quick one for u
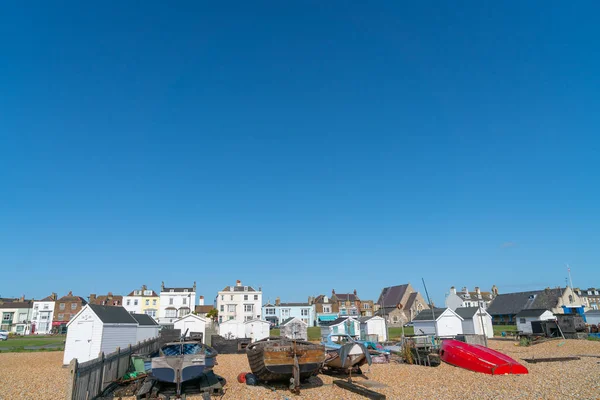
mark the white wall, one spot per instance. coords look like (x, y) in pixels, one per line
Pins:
(118, 335)
(179, 300)
(232, 329)
(44, 308)
(257, 329)
(132, 307)
(145, 332)
(472, 326)
(194, 323)
(84, 337)
(449, 325)
(424, 327)
(593, 319)
(525, 326)
(375, 326)
(237, 300)
(453, 301)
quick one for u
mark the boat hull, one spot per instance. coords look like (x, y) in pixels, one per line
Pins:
(181, 362)
(479, 359)
(274, 359)
(348, 356)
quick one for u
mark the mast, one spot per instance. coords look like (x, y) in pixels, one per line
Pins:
(430, 306)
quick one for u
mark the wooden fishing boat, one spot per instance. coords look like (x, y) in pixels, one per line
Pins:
(179, 362)
(344, 352)
(279, 359)
(479, 358)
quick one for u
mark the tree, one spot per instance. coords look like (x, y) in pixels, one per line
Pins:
(213, 314)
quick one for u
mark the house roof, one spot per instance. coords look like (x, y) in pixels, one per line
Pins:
(71, 298)
(107, 300)
(294, 305)
(320, 299)
(365, 319)
(346, 296)
(178, 290)
(112, 315)
(531, 313)
(427, 315)
(391, 296)
(47, 298)
(191, 316)
(512, 303)
(132, 293)
(18, 304)
(144, 320)
(473, 295)
(336, 321)
(238, 289)
(257, 320)
(203, 309)
(594, 312)
(466, 312)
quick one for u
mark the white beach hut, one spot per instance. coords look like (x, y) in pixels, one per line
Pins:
(232, 329)
(371, 326)
(257, 329)
(442, 322)
(192, 324)
(475, 321)
(525, 317)
(294, 328)
(148, 328)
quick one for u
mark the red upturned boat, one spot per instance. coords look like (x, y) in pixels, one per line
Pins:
(479, 359)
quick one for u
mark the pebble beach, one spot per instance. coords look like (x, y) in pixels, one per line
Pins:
(41, 376)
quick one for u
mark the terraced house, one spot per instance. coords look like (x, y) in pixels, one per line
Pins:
(142, 301)
(348, 303)
(43, 311)
(17, 316)
(279, 312)
(590, 297)
(66, 308)
(175, 302)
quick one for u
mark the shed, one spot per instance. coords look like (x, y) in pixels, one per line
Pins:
(192, 324)
(343, 325)
(447, 323)
(294, 328)
(525, 317)
(371, 326)
(475, 321)
(232, 329)
(95, 329)
(592, 317)
(148, 328)
(257, 329)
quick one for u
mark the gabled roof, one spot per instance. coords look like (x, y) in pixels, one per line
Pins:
(294, 305)
(337, 321)
(144, 320)
(71, 298)
(191, 316)
(346, 296)
(531, 313)
(132, 293)
(320, 299)
(467, 312)
(47, 298)
(108, 300)
(288, 320)
(262, 321)
(177, 290)
(594, 312)
(365, 319)
(18, 304)
(391, 296)
(427, 315)
(112, 315)
(512, 303)
(203, 309)
(238, 289)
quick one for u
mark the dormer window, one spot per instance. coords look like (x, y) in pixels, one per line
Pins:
(245, 288)
(531, 296)
(589, 292)
(172, 290)
(596, 292)
(185, 290)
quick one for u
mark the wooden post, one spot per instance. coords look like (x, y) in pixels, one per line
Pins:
(101, 380)
(73, 376)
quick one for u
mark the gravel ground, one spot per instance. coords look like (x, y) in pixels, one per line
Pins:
(40, 376)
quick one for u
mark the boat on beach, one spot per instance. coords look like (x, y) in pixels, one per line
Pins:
(343, 352)
(479, 358)
(178, 362)
(283, 359)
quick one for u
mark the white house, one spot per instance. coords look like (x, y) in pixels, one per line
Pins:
(374, 325)
(592, 317)
(232, 329)
(175, 303)
(475, 321)
(278, 312)
(465, 298)
(192, 324)
(240, 303)
(43, 311)
(294, 328)
(16, 316)
(95, 329)
(525, 317)
(148, 328)
(442, 322)
(343, 325)
(257, 329)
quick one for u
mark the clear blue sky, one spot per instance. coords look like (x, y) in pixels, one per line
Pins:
(298, 147)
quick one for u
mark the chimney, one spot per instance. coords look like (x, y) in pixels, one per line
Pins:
(201, 301)
(162, 286)
(355, 292)
(109, 294)
(70, 293)
(477, 291)
(332, 292)
(194, 287)
(54, 296)
(144, 287)
(452, 290)
(277, 301)
(238, 283)
(92, 297)
(494, 291)
(310, 300)
(22, 298)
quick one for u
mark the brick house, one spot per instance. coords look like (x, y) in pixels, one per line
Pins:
(367, 308)
(400, 304)
(66, 308)
(348, 303)
(326, 309)
(108, 300)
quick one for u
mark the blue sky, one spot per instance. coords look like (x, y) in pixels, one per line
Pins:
(299, 147)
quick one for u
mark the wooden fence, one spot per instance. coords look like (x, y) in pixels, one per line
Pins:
(89, 379)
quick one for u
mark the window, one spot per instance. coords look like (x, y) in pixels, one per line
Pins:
(22, 317)
(135, 302)
(170, 300)
(222, 297)
(596, 292)
(184, 300)
(147, 302)
(304, 312)
(248, 318)
(366, 306)
(171, 290)
(170, 313)
(521, 320)
(61, 317)
(147, 292)
(185, 290)
(230, 307)
(222, 308)
(231, 297)
(248, 307)
(570, 298)
(73, 306)
(151, 313)
(46, 307)
(7, 317)
(154, 302)
(61, 306)
(285, 312)
(230, 317)
(220, 318)
(245, 297)
(128, 302)
(269, 311)
(255, 297)
(326, 309)
(589, 292)
(36, 307)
